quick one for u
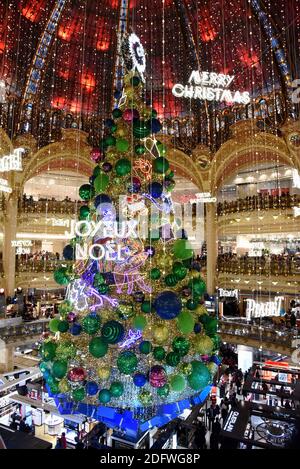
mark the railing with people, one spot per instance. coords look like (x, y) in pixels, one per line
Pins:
(29, 329)
(66, 207)
(209, 126)
(259, 202)
(37, 264)
(264, 265)
(266, 333)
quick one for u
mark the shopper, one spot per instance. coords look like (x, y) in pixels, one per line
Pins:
(211, 416)
(63, 441)
(216, 427)
(200, 434)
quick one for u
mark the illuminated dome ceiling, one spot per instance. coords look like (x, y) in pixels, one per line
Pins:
(63, 53)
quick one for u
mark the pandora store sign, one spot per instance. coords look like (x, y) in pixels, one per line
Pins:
(259, 310)
(211, 87)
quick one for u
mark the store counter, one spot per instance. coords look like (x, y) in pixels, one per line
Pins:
(54, 424)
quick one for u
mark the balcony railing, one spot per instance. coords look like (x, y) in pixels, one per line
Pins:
(64, 207)
(39, 265)
(259, 202)
(30, 329)
(267, 334)
(265, 265)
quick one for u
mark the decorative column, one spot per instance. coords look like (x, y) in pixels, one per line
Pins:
(9, 252)
(6, 357)
(211, 247)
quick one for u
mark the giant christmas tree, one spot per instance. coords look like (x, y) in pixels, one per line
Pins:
(133, 333)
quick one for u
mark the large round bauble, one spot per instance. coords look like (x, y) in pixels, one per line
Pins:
(84, 212)
(177, 383)
(116, 389)
(63, 326)
(113, 332)
(96, 155)
(61, 276)
(140, 150)
(173, 359)
(161, 165)
(192, 304)
(145, 398)
(48, 351)
(43, 366)
(104, 396)
(167, 305)
(64, 386)
(201, 310)
(53, 325)
(147, 307)
(117, 113)
(139, 380)
(98, 347)
(54, 388)
(163, 391)
(134, 185)
(185, 322)
(212, 368)
(68, 253)
(110, 141)
(125, 311)
(141, 129)
(86, 192)
(179, 270)
(127, 362)
(203, 344)
(155, 126)
(77, 374)
(215, 359)
(155, 189)
(157, 376)
(182, 249)
(145, 347)
(211, 326)
(123, 167)
(59, 369)
(138, 296)
(107, 167)
(71, 317)
(160, 334)
(198, 286)
(102, 199)
(155, 274)
(104, 372)
(197, 328)
(200, 376)
(76, 329)
(185, 368)
(162, 149)
(91, 388)
(122, 146)
(171, 280)
(181, 346)
(129, 115)
(91, 324)
(159, 353)
(140, 322)
(97, 171)
(216, 341)
(101, 182)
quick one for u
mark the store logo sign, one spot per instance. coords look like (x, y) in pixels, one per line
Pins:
(22, 247)
(259, 310)
(204, 198)
(211, 87)
(4, 186)
(228, 293)
(230, 422)
(296, 212)
(12, 162)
